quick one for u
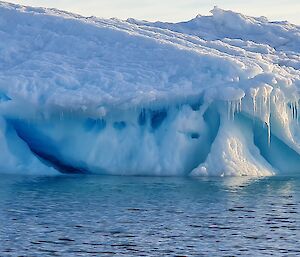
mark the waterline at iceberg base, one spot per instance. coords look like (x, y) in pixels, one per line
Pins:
(217, 95)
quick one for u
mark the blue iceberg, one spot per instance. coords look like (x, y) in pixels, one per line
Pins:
(214, 96)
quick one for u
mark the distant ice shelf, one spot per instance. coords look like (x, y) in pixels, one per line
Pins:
(214, 96)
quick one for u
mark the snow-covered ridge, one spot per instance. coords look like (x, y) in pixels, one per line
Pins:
(217, 95)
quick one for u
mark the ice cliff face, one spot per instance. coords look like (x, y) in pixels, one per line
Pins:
(217, 95)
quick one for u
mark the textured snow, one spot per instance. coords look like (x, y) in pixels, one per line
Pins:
(216, 95)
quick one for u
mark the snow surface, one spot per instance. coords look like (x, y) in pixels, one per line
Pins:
(217, 95)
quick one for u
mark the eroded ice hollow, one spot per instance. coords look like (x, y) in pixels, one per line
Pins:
(217, 95)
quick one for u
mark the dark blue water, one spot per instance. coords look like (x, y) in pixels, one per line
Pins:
(144, 216)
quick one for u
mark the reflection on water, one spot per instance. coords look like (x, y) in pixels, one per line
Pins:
(239, 182)
(136, 216)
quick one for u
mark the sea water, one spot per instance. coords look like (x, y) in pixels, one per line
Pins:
(88, 215)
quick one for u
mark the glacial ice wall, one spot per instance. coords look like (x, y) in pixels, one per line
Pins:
(217, 95)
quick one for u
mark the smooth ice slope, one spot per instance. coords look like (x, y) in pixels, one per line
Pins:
(217, 95)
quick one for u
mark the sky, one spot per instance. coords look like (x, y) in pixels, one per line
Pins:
(172, 10)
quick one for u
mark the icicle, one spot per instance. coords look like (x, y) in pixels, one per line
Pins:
(267, 114)
(269, 105)
(253, 93)
(294, 110)
(297, 108)
(232, 110)
(229, 109)
(269, 133)
(263, 108)
(260, 106)
(233, 107)
(267, 101)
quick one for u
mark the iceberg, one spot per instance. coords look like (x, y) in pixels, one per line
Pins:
(214, 96)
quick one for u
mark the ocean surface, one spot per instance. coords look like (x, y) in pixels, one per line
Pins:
(146, 216)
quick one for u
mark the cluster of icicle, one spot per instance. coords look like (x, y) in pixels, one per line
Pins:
(262, 97)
